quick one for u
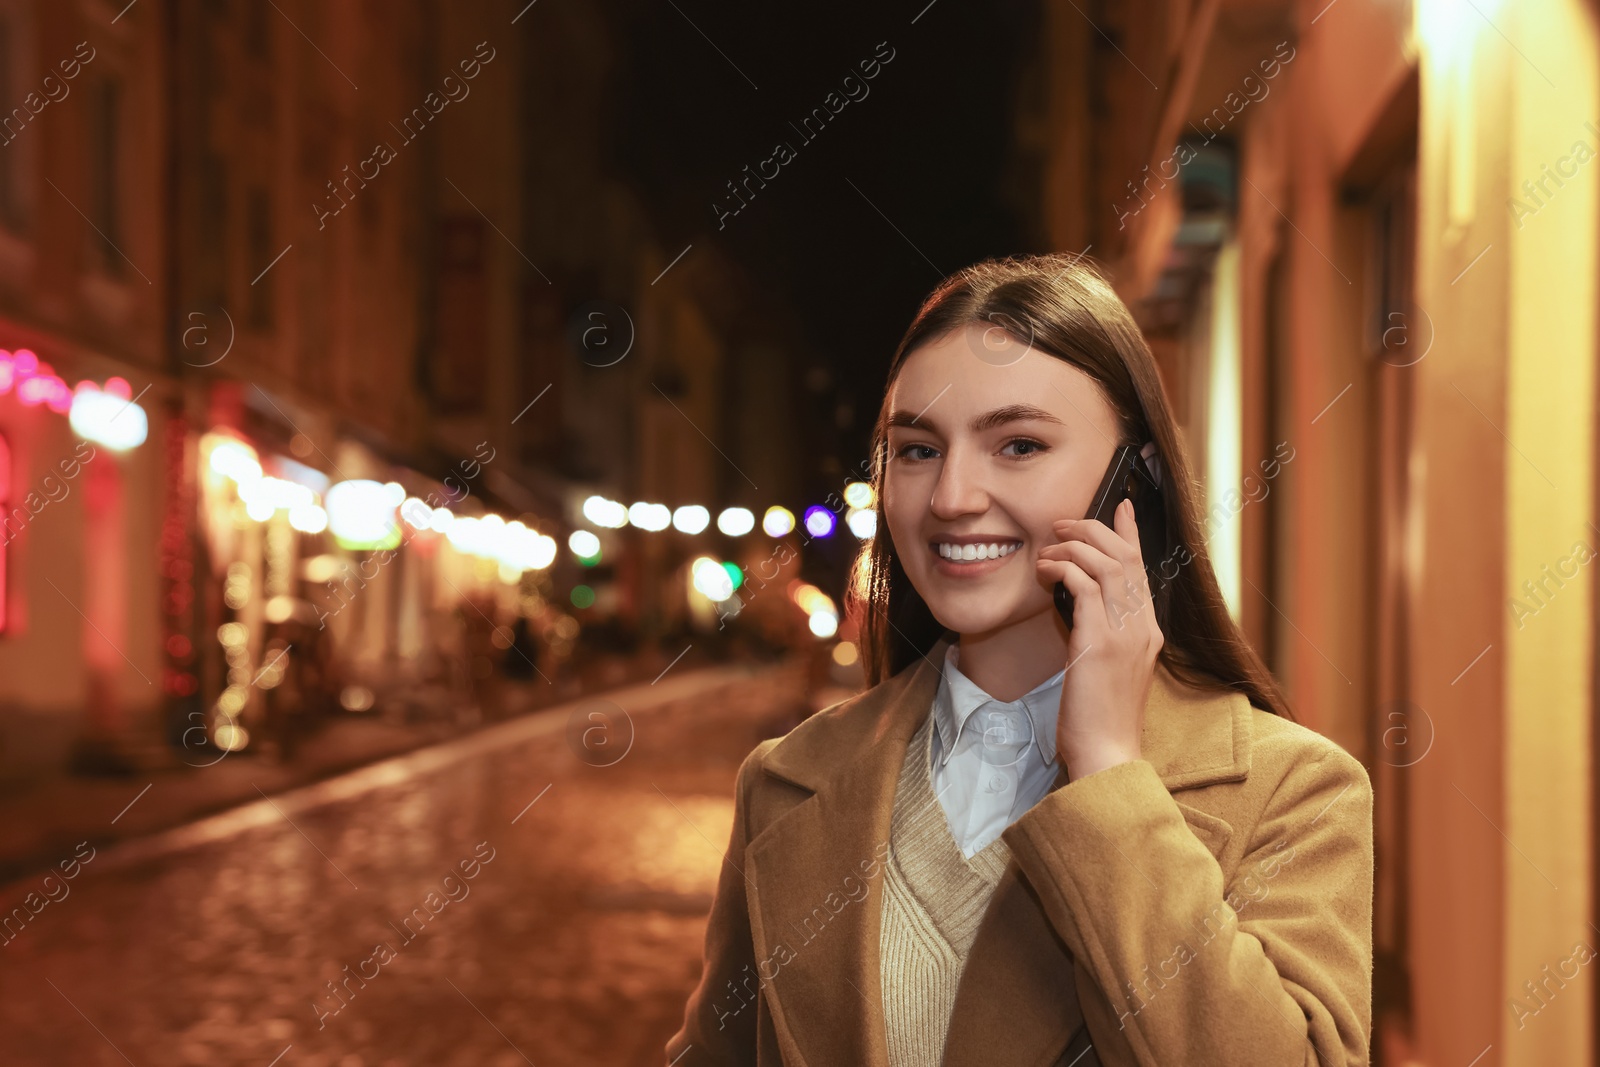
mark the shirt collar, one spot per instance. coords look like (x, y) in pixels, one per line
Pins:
(959, 696)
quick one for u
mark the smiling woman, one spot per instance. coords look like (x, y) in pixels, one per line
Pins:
(1007, 398)
(1075, 806)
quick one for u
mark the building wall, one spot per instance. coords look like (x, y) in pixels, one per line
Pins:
(1392, 581)
(83, 285)
(1513, 410)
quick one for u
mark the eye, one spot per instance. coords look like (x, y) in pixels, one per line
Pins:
(1034, 447)
(901, 454)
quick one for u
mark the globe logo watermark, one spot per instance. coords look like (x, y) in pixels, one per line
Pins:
(198, 342)
(1001, 732)
(601, 333)
(599, 733)
(1406, 338)
(1002, 342)
(1407, 734)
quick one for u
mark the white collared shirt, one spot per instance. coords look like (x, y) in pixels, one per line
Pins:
(992, 760)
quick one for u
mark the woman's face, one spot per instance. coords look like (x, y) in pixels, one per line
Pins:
(990, 442)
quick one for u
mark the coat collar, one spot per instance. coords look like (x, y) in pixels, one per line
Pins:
(812, 926)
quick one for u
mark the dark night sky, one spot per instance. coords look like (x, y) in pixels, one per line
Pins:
(930, 145)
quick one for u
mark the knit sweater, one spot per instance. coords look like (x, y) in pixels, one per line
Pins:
(933, 901)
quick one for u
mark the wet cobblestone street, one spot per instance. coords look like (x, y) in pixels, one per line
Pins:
(519, 904)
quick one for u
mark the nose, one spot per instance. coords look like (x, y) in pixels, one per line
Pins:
(960, 489)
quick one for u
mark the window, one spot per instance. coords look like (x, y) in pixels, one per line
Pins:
(1396, 333)
(10, 201)
(257, 36)
(211, 254)
(259, 241)
(104, 162)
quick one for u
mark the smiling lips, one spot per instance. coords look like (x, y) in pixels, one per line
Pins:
(979, 551)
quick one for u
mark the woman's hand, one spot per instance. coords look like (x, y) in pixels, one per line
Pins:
(1112, 646)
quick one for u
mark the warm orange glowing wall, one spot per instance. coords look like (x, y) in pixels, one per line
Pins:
(1501, 808)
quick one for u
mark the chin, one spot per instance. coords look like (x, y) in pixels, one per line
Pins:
(982, 612)
(973, 618)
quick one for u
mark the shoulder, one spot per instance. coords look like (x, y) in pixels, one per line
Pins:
(752, 762)
(810, 740)
(783, 771)
(750, 768)
(812, 751)
(1280, 747)
(1296, 771)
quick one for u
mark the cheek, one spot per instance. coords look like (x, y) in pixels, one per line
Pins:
(1035, 510)
(902, 526)
(900, 510)
(1067, 494)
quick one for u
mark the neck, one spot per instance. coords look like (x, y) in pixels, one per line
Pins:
(1010, 661)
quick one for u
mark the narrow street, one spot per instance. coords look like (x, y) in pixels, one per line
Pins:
(540, 890)
(440, 439)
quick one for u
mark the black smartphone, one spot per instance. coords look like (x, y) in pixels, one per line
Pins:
(1127, 477)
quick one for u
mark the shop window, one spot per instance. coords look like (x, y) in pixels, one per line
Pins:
(5, 536)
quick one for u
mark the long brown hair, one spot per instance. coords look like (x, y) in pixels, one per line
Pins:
(1065, 308)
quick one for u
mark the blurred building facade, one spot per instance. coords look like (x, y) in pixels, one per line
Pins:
(314, 244)
(83, 294)
(1362, 238)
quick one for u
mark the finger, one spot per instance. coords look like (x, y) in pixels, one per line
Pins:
(1123, 595)
(1113, 542)
(1127, 526)
(1091, 609)
(1084, 589)
(1131, 594)
(1104, 569)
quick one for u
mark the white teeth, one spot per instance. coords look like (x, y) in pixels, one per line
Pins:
(993, 550)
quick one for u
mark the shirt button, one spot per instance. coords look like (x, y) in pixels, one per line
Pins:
(997, 783)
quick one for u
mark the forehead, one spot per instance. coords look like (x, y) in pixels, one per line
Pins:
(977, 369)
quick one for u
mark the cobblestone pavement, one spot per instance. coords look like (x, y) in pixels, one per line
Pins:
(539, 900)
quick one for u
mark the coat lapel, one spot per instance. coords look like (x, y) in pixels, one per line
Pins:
(815, 935)
(815, 878)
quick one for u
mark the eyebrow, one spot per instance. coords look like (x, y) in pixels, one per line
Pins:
(987, 421)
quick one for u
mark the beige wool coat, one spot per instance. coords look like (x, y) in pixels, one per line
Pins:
(1207, 904)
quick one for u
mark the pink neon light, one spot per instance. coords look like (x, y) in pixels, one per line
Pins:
(48, 390)
(35, 382)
